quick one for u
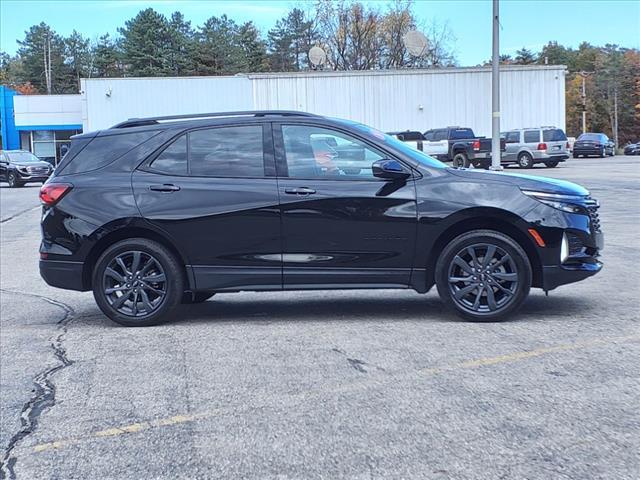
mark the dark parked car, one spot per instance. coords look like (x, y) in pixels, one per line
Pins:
(632, 148)
(18, 167)
(154, 212)
(596, 144)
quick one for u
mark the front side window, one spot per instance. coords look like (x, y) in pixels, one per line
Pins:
(428, 136)
(440, 135)
(313, 152)
(227, 152)
(531, 136)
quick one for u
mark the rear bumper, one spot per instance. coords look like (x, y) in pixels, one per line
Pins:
(587, 150)
(62, 274)
(556, 275)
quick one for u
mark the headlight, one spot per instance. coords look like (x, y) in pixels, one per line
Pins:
(566, 203)
(564, 248)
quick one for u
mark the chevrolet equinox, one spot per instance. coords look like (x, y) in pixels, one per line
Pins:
(156, 212)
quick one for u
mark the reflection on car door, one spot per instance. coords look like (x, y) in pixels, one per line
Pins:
(340, 224)
(219, 204)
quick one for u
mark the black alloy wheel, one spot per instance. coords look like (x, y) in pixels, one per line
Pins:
(483, 275)
(12, 180)
(137, 282)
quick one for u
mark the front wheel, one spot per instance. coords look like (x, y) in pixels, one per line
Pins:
(138, 282)
(603, 153)
(551, 164)
(483, 275)
(12, 180)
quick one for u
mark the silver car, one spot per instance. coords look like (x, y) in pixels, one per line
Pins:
(528, 146)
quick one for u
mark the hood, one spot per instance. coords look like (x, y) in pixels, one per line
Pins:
(33, 164)
(524, 182)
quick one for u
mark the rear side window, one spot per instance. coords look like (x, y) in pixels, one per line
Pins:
(173, 160)
(461, 133)
(531, 136)
(410, 136)
(554, 135)
(512, 137)
(227, 152)
(102, 151)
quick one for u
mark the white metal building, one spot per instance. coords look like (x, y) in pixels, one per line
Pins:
(386, 99)
(389, 100)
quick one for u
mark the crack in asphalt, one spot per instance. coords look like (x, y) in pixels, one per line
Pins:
(16, 215)
(44, 392)
(356, 363)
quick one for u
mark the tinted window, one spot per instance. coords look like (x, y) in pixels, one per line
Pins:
(590, 136)
(173, 160)
(428, 136)
(313, 152)
(460, 133)
(439, 135)
(22, 157)
(410, 136)
(227, 152)
(512, 137)
(553, 135)
(102, 151)
(531, 136)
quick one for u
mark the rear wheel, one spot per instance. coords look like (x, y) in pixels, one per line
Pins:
(525, 160)
(483, 275)
(138, 282)
(552, 164)
(460, 160)
(575, 155)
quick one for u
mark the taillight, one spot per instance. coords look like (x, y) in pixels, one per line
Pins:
(542, 146)
(476, 145)
(52, 193)
(597, 144)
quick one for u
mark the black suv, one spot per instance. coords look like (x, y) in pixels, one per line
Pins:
(156, 212)
(18, 167)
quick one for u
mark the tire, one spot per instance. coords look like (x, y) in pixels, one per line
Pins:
(575, 155)
(511, 272)
(154, 262)
(525, 160)
(552, 164)
(13, 181)
(197, 297)
(460, 160)
(603, 153)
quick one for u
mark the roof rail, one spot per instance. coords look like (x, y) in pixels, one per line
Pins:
(138, 122)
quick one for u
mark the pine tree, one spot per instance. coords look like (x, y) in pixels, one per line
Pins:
(107, 61)
(181, 45)
(525, 56)
(42, 59)
(146, 45)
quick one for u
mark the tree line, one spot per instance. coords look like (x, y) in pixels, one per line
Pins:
(355, 36)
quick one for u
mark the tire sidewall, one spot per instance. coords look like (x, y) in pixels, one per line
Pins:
(484, 236)
(172, 270)
(460, 160)
(12, 180)
(529, 162)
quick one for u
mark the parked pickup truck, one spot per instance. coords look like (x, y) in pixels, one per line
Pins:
(460, 146)
(415, 139)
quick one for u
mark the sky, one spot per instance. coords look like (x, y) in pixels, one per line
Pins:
(525, 23)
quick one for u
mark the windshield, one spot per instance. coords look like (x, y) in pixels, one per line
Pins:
(396, 144)
(22, 157)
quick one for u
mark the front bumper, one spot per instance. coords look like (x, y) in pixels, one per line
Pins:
(556, 275)
(62, 274)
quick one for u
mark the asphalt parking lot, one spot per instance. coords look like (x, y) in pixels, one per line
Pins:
(349, 384)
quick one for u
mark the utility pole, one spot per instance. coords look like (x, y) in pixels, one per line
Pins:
(495, 91)
(584, 76)
(615, 116)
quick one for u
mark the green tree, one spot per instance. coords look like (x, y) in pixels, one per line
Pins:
(217, 49)
(146, 45)
(107, 58)
(252, 48)
(181, 45)
(289, 41)
(42, 56)
(525, 56)
(78, 59)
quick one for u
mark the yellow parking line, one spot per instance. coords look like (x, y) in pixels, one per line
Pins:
(481, 362)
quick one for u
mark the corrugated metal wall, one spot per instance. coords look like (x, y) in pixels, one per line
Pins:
(387, 100)
(419, 100)
(107, 101)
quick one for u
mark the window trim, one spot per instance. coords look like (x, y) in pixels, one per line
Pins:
(282, 169)
(268, 162)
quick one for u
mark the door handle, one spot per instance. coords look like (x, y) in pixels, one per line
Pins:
(167, 188)
(300, 191)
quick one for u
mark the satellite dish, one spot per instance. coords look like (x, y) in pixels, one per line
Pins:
(317, 56)
(415, 42)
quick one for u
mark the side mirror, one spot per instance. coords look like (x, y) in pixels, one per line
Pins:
(389, 170)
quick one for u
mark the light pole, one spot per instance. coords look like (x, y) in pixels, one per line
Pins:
(495, 91)
(584, 76)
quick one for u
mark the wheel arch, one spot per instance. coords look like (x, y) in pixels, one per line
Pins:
(486, 219)
(131, 230)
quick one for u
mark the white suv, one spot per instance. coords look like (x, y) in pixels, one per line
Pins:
(528, 146)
